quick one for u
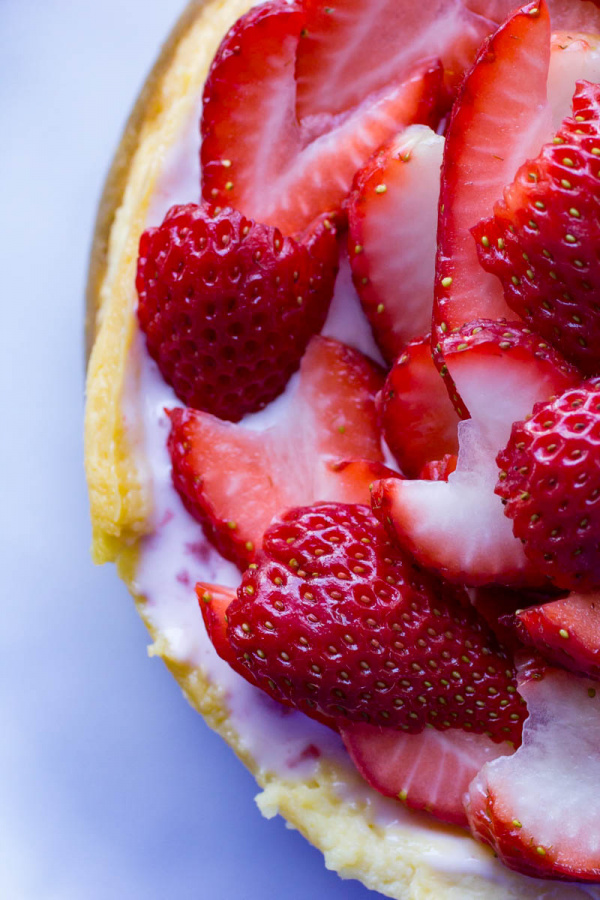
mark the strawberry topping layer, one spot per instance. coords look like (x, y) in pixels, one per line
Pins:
(360, 617)
(333, 619)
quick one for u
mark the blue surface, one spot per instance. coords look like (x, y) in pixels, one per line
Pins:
(110, 786)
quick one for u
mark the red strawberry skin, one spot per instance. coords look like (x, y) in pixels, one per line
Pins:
(540, 240)
(566, 632)
(335, 621)
(258, 157)
(228, 306)
(550, 482)
(416, 415)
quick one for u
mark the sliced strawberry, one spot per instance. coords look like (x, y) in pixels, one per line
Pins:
(417, 418)
(538, 808)
(541, 240)
(234, 480)
(497, 371)
(258, 157)
(334, 72)
(430, 771)
(566, 632)
(392, 213)
(214, 600)
(499, 118)
(336, 621)
(457, 527)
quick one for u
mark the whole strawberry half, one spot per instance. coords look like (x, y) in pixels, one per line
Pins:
(334, 620)
(550, 482)
(541, 241)
(228, 305)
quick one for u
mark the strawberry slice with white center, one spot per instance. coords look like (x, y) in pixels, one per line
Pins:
(334, 72)
(418, 420)
(538, 809)
(392, 214)
(457, 527)
(430, 772)
(499, 119)
(257, 157)
(325, 446)
(566, 632)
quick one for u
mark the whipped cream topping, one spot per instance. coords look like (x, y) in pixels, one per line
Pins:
(176, 554)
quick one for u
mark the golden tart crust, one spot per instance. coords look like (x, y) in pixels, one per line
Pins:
(403, 859)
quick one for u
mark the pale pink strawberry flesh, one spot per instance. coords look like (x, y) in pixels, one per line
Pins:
(301, 161)
(392, 215)
(430, 771)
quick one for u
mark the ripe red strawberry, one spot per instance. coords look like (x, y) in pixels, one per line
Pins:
(392, 214)
(550, 483)
(335, 621)
(540, 241)
(439, 469)
(430, 771)
(566, 632)
(417, 418)
(497, 121)
(228, 306)
(457, 527)
(257, 156)
(538, 808)
(234, 479)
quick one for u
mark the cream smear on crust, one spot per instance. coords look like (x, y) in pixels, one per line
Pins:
(176, 555)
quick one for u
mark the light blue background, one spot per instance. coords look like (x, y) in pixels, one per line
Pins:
(110, 786)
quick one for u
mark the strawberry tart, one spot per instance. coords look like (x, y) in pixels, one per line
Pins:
(343, 422)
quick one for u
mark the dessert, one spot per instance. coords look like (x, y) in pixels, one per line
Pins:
(183, 498)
